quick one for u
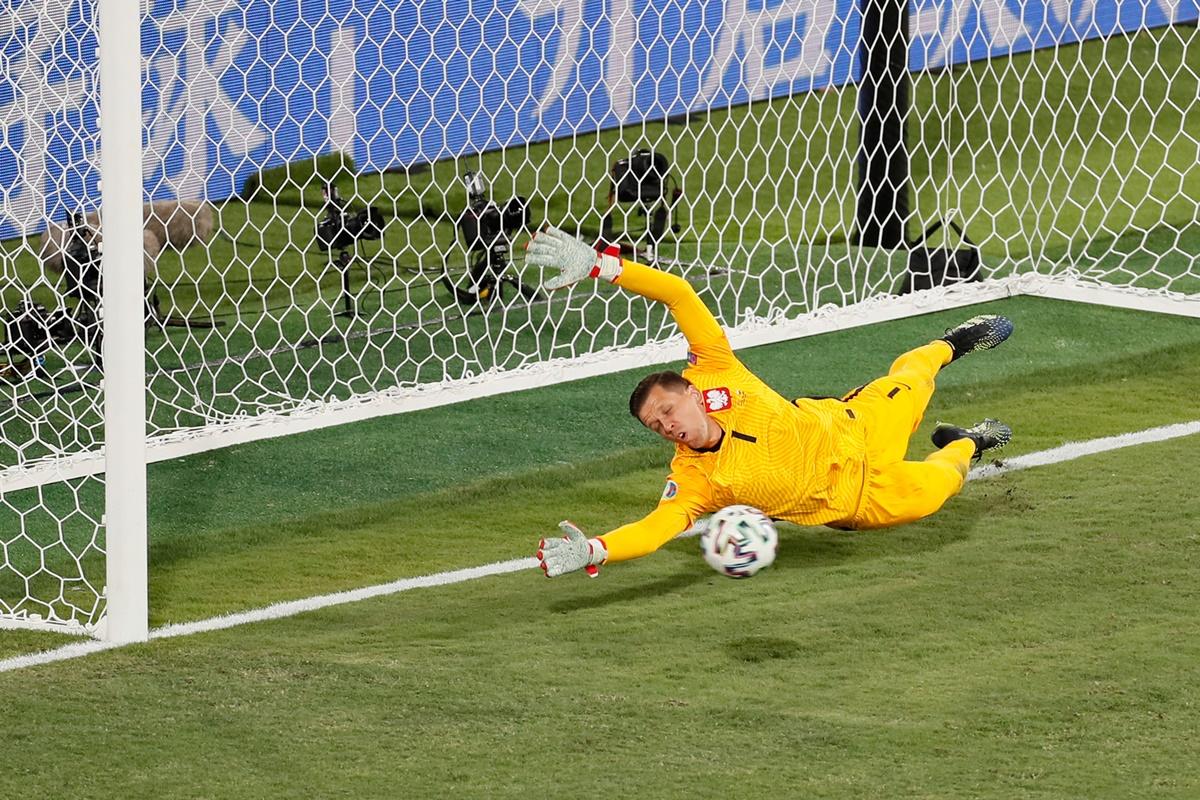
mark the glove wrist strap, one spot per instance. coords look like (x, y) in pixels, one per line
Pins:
(608, 264)
(597, 551)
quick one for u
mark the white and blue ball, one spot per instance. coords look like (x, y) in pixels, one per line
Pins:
(739, 541)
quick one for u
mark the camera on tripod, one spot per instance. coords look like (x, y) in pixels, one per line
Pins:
(343, 230)
(81, 262)
(643, 179)
(31, 329)
(485, 226)
(486, 230)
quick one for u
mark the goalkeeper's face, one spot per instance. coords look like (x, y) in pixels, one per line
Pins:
(677, 415)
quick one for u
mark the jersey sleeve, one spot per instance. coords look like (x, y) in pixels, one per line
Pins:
(705, 337)
(686, 497)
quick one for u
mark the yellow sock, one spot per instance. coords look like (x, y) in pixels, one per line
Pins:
(957, 454)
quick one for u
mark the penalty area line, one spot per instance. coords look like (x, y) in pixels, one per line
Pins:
(1055, 455)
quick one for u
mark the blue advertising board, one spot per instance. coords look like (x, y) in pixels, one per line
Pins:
(234, 86)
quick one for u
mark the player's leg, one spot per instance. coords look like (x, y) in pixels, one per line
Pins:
(913, 375)
(893, 406)
(905, 491)
(917, 368)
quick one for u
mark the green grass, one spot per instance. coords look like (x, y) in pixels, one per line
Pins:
(1030, 640)
(1035, 639)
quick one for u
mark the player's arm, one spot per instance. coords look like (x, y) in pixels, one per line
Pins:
(698, 324)
(576, 260)
(573, 551)
(648, 534)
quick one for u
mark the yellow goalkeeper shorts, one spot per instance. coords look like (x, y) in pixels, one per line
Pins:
(896, 491)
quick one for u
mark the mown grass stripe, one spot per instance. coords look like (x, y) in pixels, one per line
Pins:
(1055, 455)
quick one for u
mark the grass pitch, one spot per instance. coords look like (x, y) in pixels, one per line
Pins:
(1033, 639)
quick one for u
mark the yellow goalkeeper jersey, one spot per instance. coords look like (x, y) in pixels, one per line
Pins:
(802, 461)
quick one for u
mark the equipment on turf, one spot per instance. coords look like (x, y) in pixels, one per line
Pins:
(30, 331)
(341, 231)
(486, 231)
(739, 541)
(641, 184)
(571, 552)
(930, 267)
(80, 261)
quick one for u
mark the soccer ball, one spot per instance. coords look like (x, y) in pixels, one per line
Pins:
(739, 541)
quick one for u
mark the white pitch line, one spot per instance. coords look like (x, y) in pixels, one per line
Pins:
(1073, 450)
(293, 607)
(1066, 452)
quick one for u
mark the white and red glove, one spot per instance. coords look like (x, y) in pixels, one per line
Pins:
(570, 552)
(574, 259)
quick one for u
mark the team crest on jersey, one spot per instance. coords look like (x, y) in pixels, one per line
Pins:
(716, 399)
(670, 490)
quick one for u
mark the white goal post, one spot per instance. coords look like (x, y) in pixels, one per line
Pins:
(274, 217)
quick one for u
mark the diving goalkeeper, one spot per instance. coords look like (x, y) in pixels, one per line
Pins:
(829, 461)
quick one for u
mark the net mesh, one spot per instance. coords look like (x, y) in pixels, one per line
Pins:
(338, 195)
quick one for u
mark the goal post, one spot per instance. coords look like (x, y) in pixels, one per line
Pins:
(127, 589)
(308, 215)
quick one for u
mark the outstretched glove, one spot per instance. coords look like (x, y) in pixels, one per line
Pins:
(574, 260)
(571, 552)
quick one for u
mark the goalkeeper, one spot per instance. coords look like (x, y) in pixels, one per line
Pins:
(828, 461)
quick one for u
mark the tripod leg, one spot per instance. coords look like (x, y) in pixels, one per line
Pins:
(606, 223)
(347, 300)
(342, 264)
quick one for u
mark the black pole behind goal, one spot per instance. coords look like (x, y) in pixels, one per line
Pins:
(882, 109)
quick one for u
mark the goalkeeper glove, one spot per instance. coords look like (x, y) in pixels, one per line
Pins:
(574, 260)
(570, 552)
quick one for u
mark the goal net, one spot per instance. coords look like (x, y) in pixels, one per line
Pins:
(337, 196)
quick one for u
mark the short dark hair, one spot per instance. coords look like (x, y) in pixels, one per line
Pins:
(666, 379)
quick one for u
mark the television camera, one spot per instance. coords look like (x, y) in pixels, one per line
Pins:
(31, 329)
(486, 229)
(644, 180)
(341, 230)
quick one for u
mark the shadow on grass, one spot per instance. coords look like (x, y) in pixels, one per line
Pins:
(638, 593)
(817, 548)
(472, 507)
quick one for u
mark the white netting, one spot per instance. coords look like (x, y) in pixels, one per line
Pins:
(51, 550)
(1062, 136)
